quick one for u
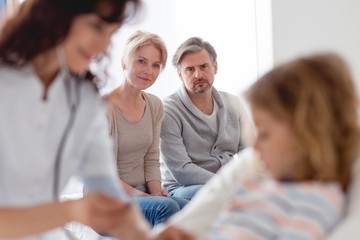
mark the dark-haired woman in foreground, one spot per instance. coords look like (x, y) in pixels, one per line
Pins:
(53, 125)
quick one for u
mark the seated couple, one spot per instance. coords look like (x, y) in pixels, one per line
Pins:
(196, 125)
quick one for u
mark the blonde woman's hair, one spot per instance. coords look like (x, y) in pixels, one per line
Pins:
(317, 96)
(140, 39)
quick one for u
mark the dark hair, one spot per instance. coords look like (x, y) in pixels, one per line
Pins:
(42, 24)
(193, 45)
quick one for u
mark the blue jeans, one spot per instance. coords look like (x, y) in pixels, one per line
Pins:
(186, 192)
(158, 209)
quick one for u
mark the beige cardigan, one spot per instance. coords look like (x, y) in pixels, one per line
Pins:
(155, 106)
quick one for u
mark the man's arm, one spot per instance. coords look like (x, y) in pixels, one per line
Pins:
(247, 130)
(175, 156)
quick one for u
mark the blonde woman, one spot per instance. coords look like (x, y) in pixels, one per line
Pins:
(135, 121)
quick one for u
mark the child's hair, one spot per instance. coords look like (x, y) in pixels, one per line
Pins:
(317, 96)
(140, 39)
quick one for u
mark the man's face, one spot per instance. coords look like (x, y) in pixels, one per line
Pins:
(197, 72)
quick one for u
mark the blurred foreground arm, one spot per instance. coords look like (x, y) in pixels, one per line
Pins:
(349, 227)
(95, 210)
(201, 211)
(126, 223)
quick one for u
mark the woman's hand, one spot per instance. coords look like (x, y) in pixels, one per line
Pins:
(155, 189)
(164, 193)
(133, 191)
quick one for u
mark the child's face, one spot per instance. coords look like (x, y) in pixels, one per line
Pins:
(276, 143)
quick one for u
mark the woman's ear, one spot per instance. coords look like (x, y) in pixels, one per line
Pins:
(123, 65)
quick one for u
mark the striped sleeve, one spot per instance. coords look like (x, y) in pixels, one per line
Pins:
(274, 210)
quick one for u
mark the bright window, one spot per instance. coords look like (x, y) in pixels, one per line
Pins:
(240, 31)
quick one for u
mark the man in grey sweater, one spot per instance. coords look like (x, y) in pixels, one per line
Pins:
(202, 128)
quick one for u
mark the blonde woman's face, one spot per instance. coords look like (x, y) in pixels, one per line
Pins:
(276, 143)
(89, 37)
(144, 67)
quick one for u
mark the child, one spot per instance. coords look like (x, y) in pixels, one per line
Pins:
(306, 115)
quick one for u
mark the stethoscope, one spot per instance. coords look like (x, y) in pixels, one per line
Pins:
(72, 84)
(72, 90)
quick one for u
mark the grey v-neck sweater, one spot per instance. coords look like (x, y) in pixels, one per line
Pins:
(191, 152)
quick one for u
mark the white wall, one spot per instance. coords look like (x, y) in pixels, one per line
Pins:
(231, 27)
(157, 17)
(305, 26)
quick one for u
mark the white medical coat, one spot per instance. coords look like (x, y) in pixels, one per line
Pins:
(30, 133)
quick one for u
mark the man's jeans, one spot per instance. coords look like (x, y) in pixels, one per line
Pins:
(157, 209)
(186, 192)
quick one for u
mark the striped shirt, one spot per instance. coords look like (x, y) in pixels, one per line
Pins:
(279, 210)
